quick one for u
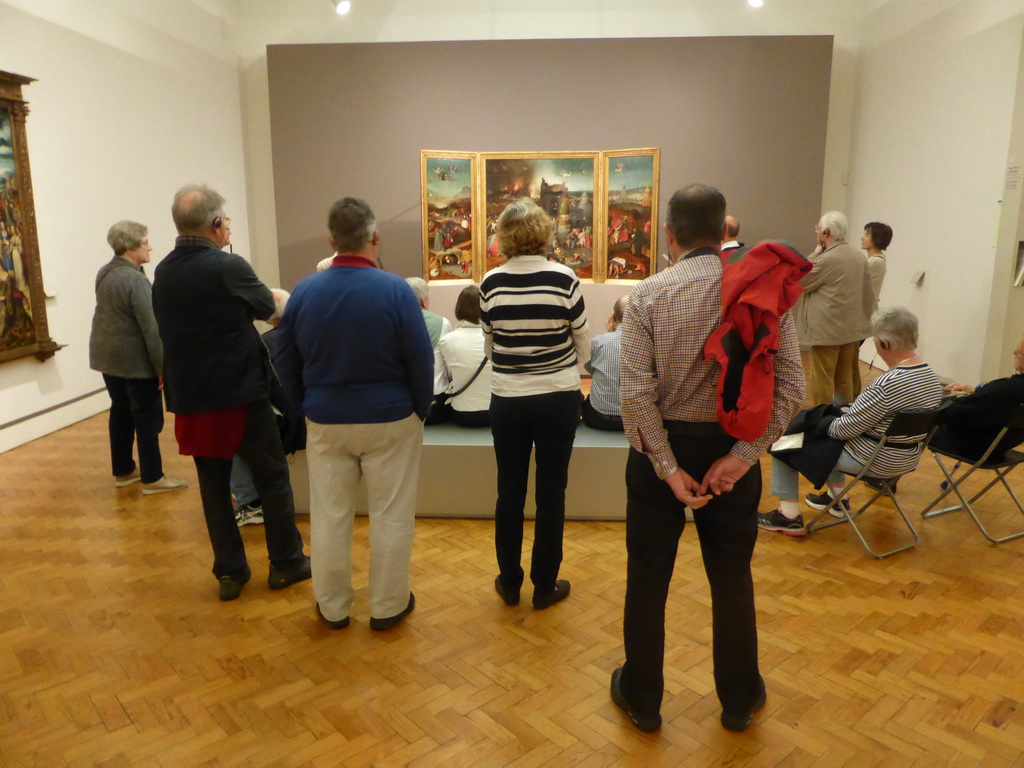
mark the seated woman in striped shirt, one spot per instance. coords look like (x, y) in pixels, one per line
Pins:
(535, 333)
(910, 383)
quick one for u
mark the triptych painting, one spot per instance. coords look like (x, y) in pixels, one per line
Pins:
(604, 205)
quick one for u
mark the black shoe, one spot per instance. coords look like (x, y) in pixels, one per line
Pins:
(646, 724)
(510, 597)
(231, 586)
(776, 521)
(281, 577)
(740, 722)
(340, 624)
(547, 599)
(381, 624)
(819, 501)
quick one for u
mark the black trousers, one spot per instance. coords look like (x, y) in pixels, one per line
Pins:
(470, 418)
(261, 449)
(727, 529)
(594, 419)
(136, 414)
(547, 421)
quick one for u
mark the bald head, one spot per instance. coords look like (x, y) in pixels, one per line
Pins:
(195, 207)
(618, 312)
(732, 227)
(696, 217)
(619, 308)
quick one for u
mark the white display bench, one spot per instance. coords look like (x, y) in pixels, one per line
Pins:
(457, 475)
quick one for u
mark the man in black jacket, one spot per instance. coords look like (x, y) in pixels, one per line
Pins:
(217, 380)
(971, 423)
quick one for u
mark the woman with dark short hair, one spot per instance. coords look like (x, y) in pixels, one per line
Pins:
(125, 347)
(535, 324)
(875, 240)
(466, 363)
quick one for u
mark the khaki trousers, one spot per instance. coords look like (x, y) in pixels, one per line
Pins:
(387, 457)
(829, 371)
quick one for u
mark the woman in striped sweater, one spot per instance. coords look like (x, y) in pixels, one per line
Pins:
(535, 328)
(910, 383)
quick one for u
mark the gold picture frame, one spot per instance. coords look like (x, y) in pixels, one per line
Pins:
(604, 203)
(565, 184)
(630, 213)
(448, 204)
(24, 331)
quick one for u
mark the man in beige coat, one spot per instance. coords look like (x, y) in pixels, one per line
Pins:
(834, 314)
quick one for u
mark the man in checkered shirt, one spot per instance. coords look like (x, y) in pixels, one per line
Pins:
(680, 457)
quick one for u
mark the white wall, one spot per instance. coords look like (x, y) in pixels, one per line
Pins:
(121, 116)
(1006, 309)
(933, 119)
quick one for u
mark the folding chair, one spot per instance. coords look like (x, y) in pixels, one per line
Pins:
(1002, 465)
(904, 424)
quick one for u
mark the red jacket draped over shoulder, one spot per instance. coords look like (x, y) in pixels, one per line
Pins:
(756, 291)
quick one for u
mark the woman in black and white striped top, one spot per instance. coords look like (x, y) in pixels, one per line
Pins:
(910, 383)
(535, 327)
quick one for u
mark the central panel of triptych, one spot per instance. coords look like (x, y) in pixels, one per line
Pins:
(604, 204)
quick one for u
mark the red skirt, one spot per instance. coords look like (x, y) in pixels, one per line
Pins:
(214, 434)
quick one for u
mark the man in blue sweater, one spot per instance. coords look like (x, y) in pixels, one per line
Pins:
(354, 352)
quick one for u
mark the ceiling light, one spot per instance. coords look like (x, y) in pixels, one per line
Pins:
(343, 7)
(751, 3)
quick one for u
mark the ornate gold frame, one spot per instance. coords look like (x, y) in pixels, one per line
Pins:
(487, 157)
(606, 159)
(430, 163)
(23, 327)
(600, 201)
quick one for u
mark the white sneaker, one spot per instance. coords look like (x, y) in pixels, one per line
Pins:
(164, 485)
(248, 514)
(122, 481)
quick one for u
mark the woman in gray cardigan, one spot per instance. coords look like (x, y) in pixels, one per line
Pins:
(125, 347)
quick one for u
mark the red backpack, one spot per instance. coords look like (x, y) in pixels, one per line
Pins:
(756, 291)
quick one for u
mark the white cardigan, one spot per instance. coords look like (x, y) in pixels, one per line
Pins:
(462, 350)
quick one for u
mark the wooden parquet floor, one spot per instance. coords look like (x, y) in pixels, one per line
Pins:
(114, 650)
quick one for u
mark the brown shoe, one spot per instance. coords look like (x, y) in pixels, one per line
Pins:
(164, 485)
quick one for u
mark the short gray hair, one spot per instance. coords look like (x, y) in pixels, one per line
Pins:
(419, 287)
(195, 207)
(281, 297)
(836, 224)
(896, 325)
(351, 224)
(126, 236)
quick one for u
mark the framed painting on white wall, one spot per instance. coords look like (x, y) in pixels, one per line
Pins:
(23, 327)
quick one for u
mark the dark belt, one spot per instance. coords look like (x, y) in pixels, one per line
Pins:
(695, 428)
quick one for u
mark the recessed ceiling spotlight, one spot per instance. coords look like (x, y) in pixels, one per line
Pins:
(751, 3)
(343, 7)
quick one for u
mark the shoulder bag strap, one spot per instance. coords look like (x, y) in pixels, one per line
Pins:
(469, 383)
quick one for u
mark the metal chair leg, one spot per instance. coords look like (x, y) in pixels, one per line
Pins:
(966, 504)
(951, 488)
(850, 518)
